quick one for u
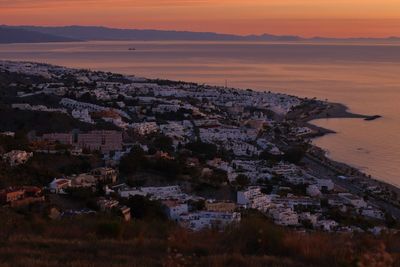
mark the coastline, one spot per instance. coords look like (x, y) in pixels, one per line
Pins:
(383, 194)
(331, 111)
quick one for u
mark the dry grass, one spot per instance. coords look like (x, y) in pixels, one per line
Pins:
(38, 251)
(35, 241)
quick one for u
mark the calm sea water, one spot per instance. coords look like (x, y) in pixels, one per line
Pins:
(365, 77)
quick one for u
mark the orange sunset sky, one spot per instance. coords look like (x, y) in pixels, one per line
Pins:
(337, 18)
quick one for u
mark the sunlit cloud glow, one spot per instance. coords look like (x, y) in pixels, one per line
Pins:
(302, 17)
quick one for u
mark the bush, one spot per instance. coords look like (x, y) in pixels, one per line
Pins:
(257, 236)
(242, 180)
(142, 207)
(162, 143)
(295, 154)
(204, 151)
(109, 230)
(81, 193)
(168, 168)
(266, 155)
(133, 162)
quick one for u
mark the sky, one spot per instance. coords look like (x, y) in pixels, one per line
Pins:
(330, 18)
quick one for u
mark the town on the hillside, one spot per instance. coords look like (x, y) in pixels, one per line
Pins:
(77, 142)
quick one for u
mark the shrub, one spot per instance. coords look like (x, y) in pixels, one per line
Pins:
(109, 230)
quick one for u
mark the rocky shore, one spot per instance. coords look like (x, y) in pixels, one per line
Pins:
(325, 110)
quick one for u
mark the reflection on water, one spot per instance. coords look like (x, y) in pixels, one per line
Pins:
(365, 77)
(364, 145)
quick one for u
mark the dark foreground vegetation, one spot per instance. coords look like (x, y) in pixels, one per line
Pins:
(33, 240)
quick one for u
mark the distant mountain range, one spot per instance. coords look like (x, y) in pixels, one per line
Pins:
(15, 35)
(34, 34)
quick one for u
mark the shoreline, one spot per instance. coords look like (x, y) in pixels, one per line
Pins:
(383, 194)
(333, 111)
(359, 183)
(315, 110)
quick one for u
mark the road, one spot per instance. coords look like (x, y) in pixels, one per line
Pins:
(332, 173)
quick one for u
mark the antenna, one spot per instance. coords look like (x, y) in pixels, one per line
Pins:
(226, 83)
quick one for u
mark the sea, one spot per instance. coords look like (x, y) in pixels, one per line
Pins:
(365, 76)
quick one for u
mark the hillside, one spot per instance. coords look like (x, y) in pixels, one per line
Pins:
(104, 33)
(11, 35)
(177, 179)
(28, 240)
(33, 34)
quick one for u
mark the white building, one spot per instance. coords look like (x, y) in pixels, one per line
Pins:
(209, 219)
(107, 204)
(179, 132)
(253, 198)
(10, 134)
(325, 184)
(284, 216)
(219, 164)
(73, 104)
(307, 216)
(218, 134)
(302, 131)
(326, 225)
(159, 193)
(145, 128)
(241, 148)
(373, 213)
(17, 157)
(175, 209)
(82, 115)
(293, 202)
(353, 200)
(37, 108)
(297, 179)
(286, 169)
(59, 185)
(313, 191)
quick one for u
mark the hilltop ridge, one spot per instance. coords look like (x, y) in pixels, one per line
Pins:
(89, 33)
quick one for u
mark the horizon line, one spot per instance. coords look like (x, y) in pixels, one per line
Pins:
(209, 32)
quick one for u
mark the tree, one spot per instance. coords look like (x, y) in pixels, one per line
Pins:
(169, 168)
(218, 177)
(81, 193)
(266, 155)
(163, 143)
(142, 207)
(203, 150)
(109, 230)
(295, 154)
(242, 180)
(197, 205)
(133, 162)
